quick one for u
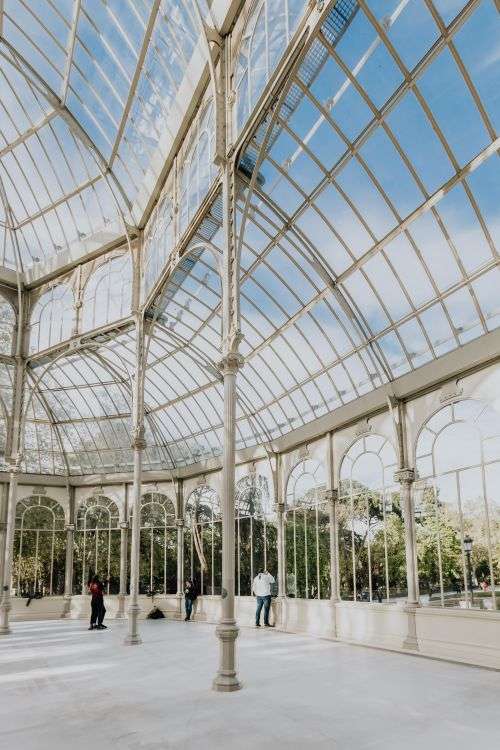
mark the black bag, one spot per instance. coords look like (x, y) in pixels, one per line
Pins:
(156, 614)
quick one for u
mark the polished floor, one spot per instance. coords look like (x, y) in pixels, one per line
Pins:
(62, 687)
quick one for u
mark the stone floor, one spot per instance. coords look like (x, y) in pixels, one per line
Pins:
(63, 687)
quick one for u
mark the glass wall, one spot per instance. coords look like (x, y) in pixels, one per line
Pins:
(158, 551)
(39, 547)
(268, 30)
(256, 535)
(458, 506)
(97, 545)
(307, 530)
(203, 540)
(372, 558)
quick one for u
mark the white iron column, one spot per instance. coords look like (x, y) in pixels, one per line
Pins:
(4, 493)
(133, 638)
(405, 477)
(68, 571)
(280, 543)
(5, 604)
(227, 630)
(179, 522)
(122, 596)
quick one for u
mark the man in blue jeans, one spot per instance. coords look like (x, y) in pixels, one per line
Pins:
(262, 590)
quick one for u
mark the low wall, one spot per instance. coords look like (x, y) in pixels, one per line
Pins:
(468, 636)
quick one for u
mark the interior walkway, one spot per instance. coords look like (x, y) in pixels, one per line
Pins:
(64, 687)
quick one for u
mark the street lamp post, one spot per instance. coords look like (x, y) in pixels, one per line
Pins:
(468, 550)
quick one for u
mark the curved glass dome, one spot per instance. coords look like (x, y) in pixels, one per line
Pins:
(88, 111)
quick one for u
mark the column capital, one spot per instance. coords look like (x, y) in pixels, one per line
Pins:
(69, 527)
(123, 525)
(332, 495)
(404, 476)
(231, 363)
(138, 440)
(279, 507)
(179, 522)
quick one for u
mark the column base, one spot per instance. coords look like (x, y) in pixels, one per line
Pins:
(120, 612)
(226, 680)
(226, 684)
(67, 608)
(5, 608)
(410, 643)
(132, 640)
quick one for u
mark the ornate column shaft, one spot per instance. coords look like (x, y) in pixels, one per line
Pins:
(227, 631)
(122, 596)
(133, 638)
(405, 477)
(179, 522)
(4, 494)
(68, 570)
(5, 604)
(280, 543)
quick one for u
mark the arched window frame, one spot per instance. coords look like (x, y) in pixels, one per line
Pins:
(481, 418)
(7, 327)
(158, 531)
(209, 525)
(92, 532)
(44, 535)
(111, 282)
(299, 512)
(52, 318)
(388, 496)
(259, 522)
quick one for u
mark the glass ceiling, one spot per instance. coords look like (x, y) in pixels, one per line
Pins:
(368, 216)
(87, 112)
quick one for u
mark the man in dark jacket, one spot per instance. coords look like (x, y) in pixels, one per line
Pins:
(190, 596)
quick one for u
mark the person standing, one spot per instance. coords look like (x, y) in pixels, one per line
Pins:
(98, 610)
(262, 590)
(190, 596)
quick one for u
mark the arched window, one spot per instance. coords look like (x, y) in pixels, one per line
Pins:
(97, 544)
(256, 537)
(7, 326)
(39, 547)
(108, 293)
(307, 533)
(158, 243)
(458, 496)
(52, 318)
(203, 540)
(158, 555)
(372, 558)
(198, 169)
(267, 33)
